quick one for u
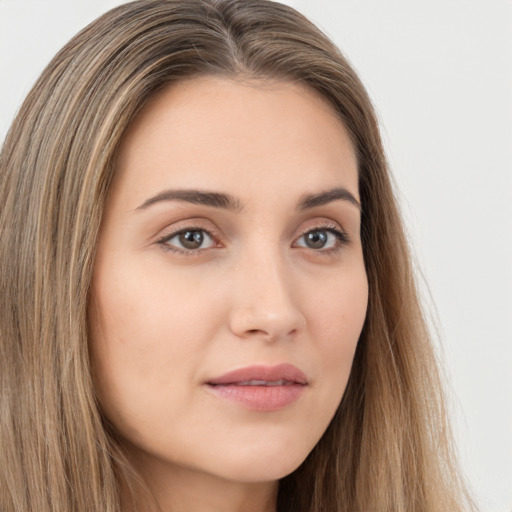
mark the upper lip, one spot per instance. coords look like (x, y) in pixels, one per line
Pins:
(264, 373)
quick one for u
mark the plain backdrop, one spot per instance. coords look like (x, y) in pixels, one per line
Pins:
(440, 75)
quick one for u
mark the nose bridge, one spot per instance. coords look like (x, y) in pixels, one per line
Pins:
(264, 302)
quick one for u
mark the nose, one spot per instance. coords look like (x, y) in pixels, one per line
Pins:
(265, 304)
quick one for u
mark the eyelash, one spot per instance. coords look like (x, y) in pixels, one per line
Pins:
(342, 239)
(163, 242)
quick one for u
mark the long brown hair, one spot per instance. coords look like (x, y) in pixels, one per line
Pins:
(388, 447)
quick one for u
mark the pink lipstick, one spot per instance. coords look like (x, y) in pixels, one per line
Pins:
(261, 388)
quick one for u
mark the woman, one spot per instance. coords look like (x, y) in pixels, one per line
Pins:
(207, 295)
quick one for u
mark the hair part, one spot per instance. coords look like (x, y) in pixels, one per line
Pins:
(388, 447)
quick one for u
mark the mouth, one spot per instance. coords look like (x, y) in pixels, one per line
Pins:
(261, 388)
(281, 382)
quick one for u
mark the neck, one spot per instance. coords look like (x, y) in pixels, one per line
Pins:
(177, 489)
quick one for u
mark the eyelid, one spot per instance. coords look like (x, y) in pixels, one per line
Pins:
(214, 233)
(319, 224)
(188, 225)
(324, 225)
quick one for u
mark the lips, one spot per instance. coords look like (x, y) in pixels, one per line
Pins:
(261, 374)
(281, 382)
(261, 388)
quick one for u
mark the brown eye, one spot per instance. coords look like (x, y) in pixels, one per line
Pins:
(316, 239)
(322, 239)
(189, 240)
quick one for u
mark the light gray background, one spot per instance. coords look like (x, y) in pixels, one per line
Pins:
(440, 74)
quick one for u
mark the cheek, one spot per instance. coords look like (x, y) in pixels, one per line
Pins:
(336, 322)
(144, 336)
(145, 309)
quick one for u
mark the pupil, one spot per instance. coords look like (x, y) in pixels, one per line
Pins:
(316, 239)
(191, 239)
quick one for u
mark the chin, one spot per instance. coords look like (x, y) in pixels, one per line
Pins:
(263, 467)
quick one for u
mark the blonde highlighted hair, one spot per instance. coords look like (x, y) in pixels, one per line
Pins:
(388, 447)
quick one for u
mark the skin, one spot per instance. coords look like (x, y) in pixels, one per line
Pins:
(166, 319)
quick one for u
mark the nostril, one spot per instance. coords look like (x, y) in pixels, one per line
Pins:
(268, 323)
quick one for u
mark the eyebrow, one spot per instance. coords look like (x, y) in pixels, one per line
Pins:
(214, 199)
(335, 194)
(228, 202)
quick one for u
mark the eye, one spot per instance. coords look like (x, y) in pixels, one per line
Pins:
(322, 239)
(188, 240)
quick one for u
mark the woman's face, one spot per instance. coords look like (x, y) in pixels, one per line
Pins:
(229, 289)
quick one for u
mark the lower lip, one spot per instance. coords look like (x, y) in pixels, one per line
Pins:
(260, 398)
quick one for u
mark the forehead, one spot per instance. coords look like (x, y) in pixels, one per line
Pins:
(218, 133)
